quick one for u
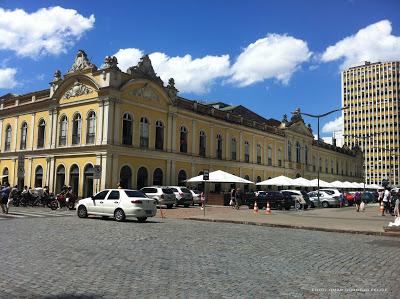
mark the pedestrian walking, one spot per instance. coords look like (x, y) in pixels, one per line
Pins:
(13, 193)
(397, 204)
(4, 194)
(238, 198)
(232, 201)
(357, 200)
(386, 201)
(380, 196)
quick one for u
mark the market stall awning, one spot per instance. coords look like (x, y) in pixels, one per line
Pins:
(279, 181)
(220, 176)
(337, 184)
(304, 182)
(322, 184)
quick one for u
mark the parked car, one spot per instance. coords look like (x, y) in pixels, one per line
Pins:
(196, 197)
(300, 196)
(118, 203)
(326, 200)
(275, 199)
(163, 195)
(183, 195)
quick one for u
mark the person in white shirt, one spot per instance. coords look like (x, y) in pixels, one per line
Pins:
(386, 201)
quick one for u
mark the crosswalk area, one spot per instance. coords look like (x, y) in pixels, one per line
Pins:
(21, 213)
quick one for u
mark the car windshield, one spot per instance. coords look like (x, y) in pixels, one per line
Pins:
(135, 193)
(167, 191)
(185, 190)
(330, 192)
(196, 191)
(174, 189)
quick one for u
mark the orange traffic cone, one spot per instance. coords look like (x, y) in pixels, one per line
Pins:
(267, 210)
(382, 209)
(255, 210)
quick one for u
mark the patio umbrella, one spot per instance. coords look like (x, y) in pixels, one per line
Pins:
(323, 184)
(279, 181)
(304, 182)
(338, 184)
(220, 176)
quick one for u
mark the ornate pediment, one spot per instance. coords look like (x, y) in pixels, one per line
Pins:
(81, 62)
(78, 89)
(145, 92)
(144, 69)
(300, 128)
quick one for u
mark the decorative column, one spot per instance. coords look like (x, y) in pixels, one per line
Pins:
(14, 180)
(1, 135)
(173, 173)
(29, 173)
(169, 132)
(47, 172)
(115, 170)
(15, 134)
(168, 176)
(107, 121)
(254, 150)
(241, 147)
(173, 133)
(194, 133)
(117, 122)
(212, 152)
(52, 174)
(32, 131)
(99, 124)
(227, 145)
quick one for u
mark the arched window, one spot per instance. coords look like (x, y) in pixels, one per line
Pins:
(88, 180)
(39, 176)
(182, 178)
(306, 154)
(258, 187)
(60, 178)
(183, 140)
(246, 151)
(76, 129)
(233, 149)
(159, 135)
(258, 154)
(289, 150)
(270, 156)
(298, 153)
(7, 140)
(91, 128)
(219, 147)
(202, 144)
(63, 131)
(127, 129)
(279, 158)
(24, 133)
(4, 179)
(41, 133)
(144, 132)
(142, 177)
(74, 178)
(158, 177)
(125, 177)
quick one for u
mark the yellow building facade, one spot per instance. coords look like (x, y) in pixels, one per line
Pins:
(140, 132)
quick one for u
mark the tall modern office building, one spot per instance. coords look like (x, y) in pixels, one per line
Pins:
(372, 94)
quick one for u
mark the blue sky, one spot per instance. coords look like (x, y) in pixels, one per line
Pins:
(271, 56)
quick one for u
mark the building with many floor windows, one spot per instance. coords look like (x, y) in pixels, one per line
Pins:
(95, 127)
(372, 94)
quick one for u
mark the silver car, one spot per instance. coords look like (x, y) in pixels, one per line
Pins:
(325, 200)
(163, 195)
(183, 195)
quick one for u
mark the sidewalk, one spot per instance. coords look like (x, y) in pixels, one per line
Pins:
(346, 220)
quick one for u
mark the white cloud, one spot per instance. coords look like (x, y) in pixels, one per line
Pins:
(372, 43)
(334, 125)
(275, 56)
(46, 31)
(324, 138)
(191, 75)
(7, 78)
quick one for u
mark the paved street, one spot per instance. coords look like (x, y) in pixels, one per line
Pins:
(64, 257)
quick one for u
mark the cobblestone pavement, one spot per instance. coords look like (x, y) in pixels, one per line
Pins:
(68, 257)
(35, 212)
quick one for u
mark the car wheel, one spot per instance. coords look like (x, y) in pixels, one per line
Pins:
(325, 204)
(142, 219)
(185, 205)
(82, 212)
(119, 215)
(287, 208)
(169, 206)
(305, 207)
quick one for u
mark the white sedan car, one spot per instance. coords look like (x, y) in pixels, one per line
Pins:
(118, 203)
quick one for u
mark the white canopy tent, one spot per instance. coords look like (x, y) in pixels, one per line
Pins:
(338, 184)
(220, 176)
(304, 182)
(359, 185)
(349, 185)
(373, 186)
(322, 184)
(279, 181)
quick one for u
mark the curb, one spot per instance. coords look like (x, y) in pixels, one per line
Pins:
(332, 230)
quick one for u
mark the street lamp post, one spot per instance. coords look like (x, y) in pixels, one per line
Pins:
(318, 116)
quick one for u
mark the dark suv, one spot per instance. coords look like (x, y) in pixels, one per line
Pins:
(275, 199)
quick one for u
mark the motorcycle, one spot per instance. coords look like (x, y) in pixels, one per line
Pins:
(63, 200)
